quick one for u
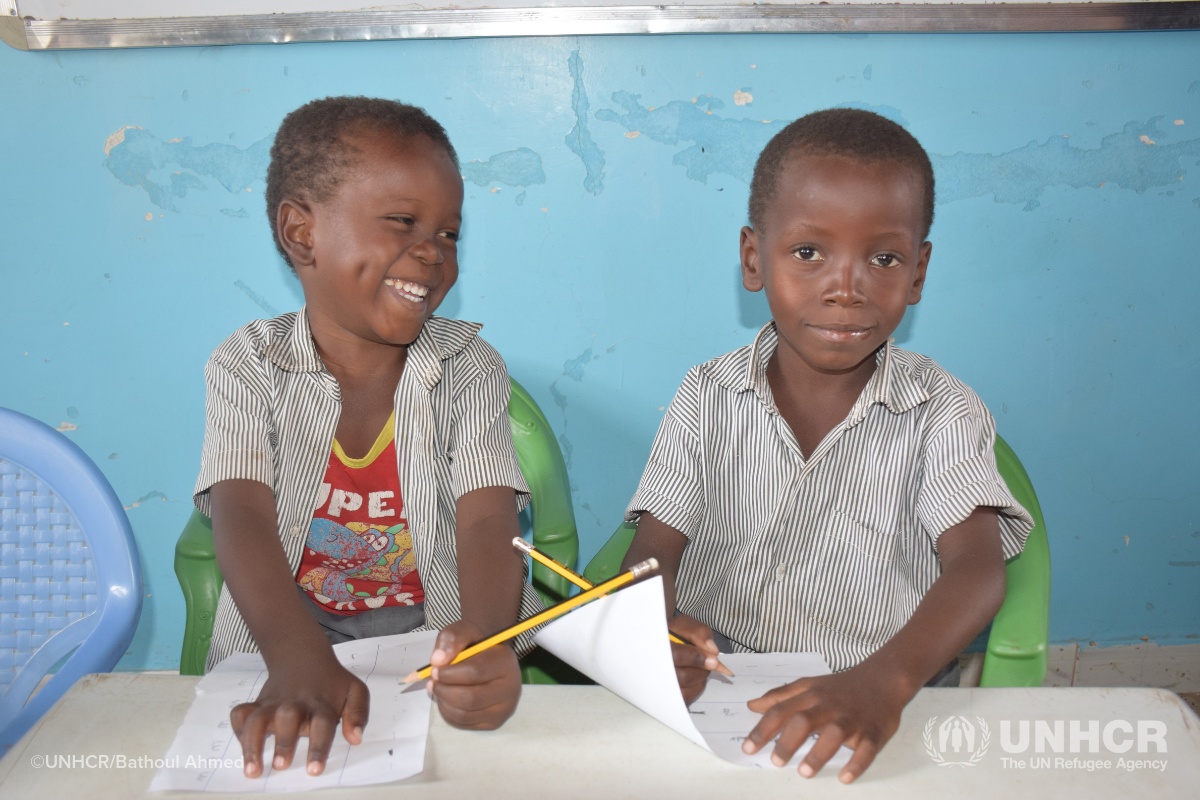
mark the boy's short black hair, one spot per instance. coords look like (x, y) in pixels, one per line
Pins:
(310, 156)
(850, 132)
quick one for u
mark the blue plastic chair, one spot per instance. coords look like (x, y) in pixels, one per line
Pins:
(70, 577)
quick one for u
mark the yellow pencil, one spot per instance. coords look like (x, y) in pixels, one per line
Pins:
(632, 574)
(583, 583)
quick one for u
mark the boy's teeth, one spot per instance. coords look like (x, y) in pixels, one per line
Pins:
(415, 289)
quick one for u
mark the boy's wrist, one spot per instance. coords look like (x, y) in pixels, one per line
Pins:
(302, 642)
(897, 679)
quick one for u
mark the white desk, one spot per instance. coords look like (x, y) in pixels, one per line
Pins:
(568, 742)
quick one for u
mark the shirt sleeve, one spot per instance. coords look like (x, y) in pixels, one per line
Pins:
(484, 454)
(237, 434)
(671, 487)
(960, 474)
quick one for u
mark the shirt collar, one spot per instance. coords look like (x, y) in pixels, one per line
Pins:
(295, 350)
(440, 339)
(892, 385)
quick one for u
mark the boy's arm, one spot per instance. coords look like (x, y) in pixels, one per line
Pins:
(482, 692)
(307, 691)
(861, 707)
(657, 539)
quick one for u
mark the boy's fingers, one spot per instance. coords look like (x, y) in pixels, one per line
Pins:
(689, 657)
(828, 742)
(356, 712)
(497, 663)
(320, 739)
(451, 641)
(288, 719)
(795, 733)
(770, 725)
(254, 732)
(694, 631)
(778, 695)
(238, 716)
(479, 668)
(466, 699)
(486, 719)
(864, 754)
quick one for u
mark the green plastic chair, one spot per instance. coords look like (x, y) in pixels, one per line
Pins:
(554, 533)
(1017, 644)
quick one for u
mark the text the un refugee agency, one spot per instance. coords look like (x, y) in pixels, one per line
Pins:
(1055, 744)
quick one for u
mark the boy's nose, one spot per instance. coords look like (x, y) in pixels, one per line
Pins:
(845, 286)
(428, 252)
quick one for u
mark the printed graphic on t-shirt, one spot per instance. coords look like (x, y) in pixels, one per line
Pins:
(359, 552)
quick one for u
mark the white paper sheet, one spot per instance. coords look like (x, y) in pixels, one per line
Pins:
(620, 641)
(393, 746)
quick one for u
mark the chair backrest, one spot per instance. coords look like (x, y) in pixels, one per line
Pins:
(70, 577)
(1018, 644)
(542, 464)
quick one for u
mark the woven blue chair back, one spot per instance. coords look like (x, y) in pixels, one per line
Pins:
(70, 579)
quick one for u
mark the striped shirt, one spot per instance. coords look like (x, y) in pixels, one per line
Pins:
(831, 553)
(272, 409)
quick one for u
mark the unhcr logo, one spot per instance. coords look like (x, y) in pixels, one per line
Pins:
(960, 742)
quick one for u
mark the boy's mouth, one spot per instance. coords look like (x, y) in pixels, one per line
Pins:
(835, 332)
(412, 292)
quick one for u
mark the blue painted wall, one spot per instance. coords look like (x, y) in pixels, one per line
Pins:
(602, 256)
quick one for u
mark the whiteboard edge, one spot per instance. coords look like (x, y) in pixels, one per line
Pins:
(1142, 15)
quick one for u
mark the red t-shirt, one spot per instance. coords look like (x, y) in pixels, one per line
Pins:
(359, 552)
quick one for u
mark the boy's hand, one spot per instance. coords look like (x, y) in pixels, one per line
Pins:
(305, 699)
(479, 693)
(859, 708)
(692, 662)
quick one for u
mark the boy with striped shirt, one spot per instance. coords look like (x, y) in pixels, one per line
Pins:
(821, 489)
(358, 462)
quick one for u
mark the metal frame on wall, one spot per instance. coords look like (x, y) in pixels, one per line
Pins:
(66, 34)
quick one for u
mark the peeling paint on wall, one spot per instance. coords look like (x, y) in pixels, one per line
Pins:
(137, 156)
(520, 167)
(258, 299)
(154, 495)
(580, 138)
(1022, 175)
(116, 138)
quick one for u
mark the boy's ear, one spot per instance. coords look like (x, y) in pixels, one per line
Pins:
(295, 225)
(914, 291)
(752, 277)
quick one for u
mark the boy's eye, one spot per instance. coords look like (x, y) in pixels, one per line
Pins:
(451, 235)
(402, 219)
(807, 253)
(885, 260)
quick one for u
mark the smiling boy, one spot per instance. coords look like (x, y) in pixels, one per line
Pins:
(821, 489)
(358, 462)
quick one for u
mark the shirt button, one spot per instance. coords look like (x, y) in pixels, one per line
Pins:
(295, 529)
(780, 571)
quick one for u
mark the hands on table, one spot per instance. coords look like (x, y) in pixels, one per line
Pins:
(857, 708)
(852, 708)
(310, 699)
(301, 699)
(694, 661)
(479, 693)
(308, 692)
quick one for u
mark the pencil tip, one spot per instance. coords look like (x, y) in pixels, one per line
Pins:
(411, 677)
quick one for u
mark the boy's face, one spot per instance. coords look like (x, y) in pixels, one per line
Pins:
(378, 257)
(840, 255)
